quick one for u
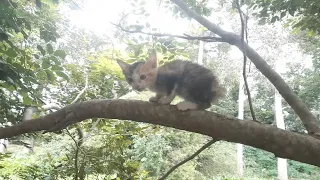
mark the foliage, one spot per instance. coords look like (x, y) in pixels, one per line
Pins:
(29, 60)
(37, 68)
(302, 15)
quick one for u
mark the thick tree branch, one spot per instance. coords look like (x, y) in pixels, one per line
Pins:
(282, 143)
(185, 36)
(188, 158)
(309, 120)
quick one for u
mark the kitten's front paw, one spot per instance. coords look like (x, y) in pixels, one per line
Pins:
(185, 105)
(153, 99)
(165, 100)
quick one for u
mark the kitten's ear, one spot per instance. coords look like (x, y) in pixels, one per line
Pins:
(152, 61)
(124, 66)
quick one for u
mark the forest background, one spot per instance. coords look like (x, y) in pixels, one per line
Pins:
(54, 53)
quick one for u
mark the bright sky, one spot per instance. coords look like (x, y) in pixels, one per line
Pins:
(96, 11)
(96, 16)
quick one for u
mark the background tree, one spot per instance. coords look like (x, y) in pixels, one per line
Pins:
(111, 149)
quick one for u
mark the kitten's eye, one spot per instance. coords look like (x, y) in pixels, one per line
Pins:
(130, 80)
(142, 77)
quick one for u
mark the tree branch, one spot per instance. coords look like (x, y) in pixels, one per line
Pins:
(243, 27)
(184, 36)
(188, 159)
(309, 120)
(282, 143)
(78, 171)
(83, 90)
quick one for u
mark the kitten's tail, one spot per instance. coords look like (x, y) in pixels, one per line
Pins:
(218, 92)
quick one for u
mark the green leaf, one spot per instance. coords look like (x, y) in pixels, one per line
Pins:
(297, 2)
(46, 63)
(60, 53)
(45, 35)
(291, 12)
(164, 49)
(262, 21)
(41, 75)
(13, 24)
(39, 3)
(113, 176)
(43, 52)
(283, 14)
(274, 19)
(247, 2)
(26, 99)
(31, 79)
(11, 52)
(36, 66)
(57, 68)
(63, 75)
(50, 75)
(36, 56)
(28, 25)
(3, 37)
(49, 48)
(171, 57)
(9, 80)
(55, 60)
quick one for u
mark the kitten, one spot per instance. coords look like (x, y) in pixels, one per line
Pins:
(197, 85)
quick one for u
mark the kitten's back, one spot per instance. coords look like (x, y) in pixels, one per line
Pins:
(195, 82)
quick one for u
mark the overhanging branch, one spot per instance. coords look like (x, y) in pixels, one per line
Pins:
(282, 143)
(308, 119)
(184, 36)
(243, 32)
(188, 158)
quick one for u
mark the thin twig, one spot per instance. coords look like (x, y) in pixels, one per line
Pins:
(189, 158)
(79, 130)
(83, 90)
(243, 27)
(185, 36)
(79, 143)
(246, 31)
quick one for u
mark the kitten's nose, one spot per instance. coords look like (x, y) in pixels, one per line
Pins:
(137, 87)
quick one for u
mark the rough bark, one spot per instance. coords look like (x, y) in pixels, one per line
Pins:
(309, 120)
(282, 143)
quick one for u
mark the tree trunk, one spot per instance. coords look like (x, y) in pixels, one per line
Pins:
(3, 145)
(28, 116)
(200, 53)
(240, 117)
(281, 163)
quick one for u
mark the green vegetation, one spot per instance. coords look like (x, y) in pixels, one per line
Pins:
(41, 62)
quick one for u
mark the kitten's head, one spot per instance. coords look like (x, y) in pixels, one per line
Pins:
(140, 75)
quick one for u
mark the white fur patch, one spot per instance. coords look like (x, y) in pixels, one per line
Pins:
(169, 99)
(186, 105)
